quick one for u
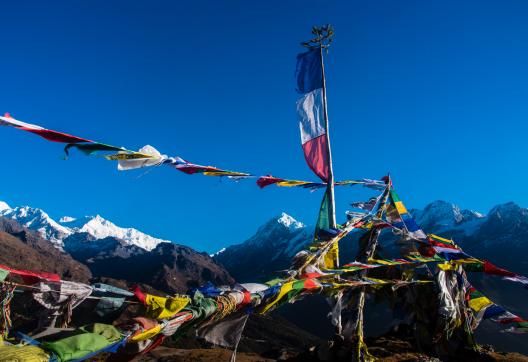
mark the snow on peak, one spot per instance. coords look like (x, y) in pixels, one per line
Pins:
(4, 206)
(289, 222)
(36, 219)
(101, 228)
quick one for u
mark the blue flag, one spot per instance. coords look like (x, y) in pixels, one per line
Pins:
(309, 72)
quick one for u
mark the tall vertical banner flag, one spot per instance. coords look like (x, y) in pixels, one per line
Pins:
(309, 76)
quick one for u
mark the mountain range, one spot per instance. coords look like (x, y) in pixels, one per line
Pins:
(501, 232)
(95, 226)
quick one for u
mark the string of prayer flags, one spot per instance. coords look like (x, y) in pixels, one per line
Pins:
(484, 308)
(476, 265)
(127, 159)
(148, 156)
(448, 250)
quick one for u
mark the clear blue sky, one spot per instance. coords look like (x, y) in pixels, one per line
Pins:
(434, 92)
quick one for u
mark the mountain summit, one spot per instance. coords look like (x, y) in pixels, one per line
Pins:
(270, 249)
(441, 215)
(100, 228)
(289, 221)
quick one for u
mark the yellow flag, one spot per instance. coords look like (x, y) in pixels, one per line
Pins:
(331, 257)
(148, 334)
(163, 307)
(480, 303)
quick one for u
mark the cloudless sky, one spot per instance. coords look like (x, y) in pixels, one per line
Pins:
(433, 91)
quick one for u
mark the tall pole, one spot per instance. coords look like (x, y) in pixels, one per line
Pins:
(323, 39)
(330, 182)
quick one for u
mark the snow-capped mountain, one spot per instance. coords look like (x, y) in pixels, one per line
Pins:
(269, 250)
(101, 228)
(441, 216)
(95, 226)
(284, 234)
